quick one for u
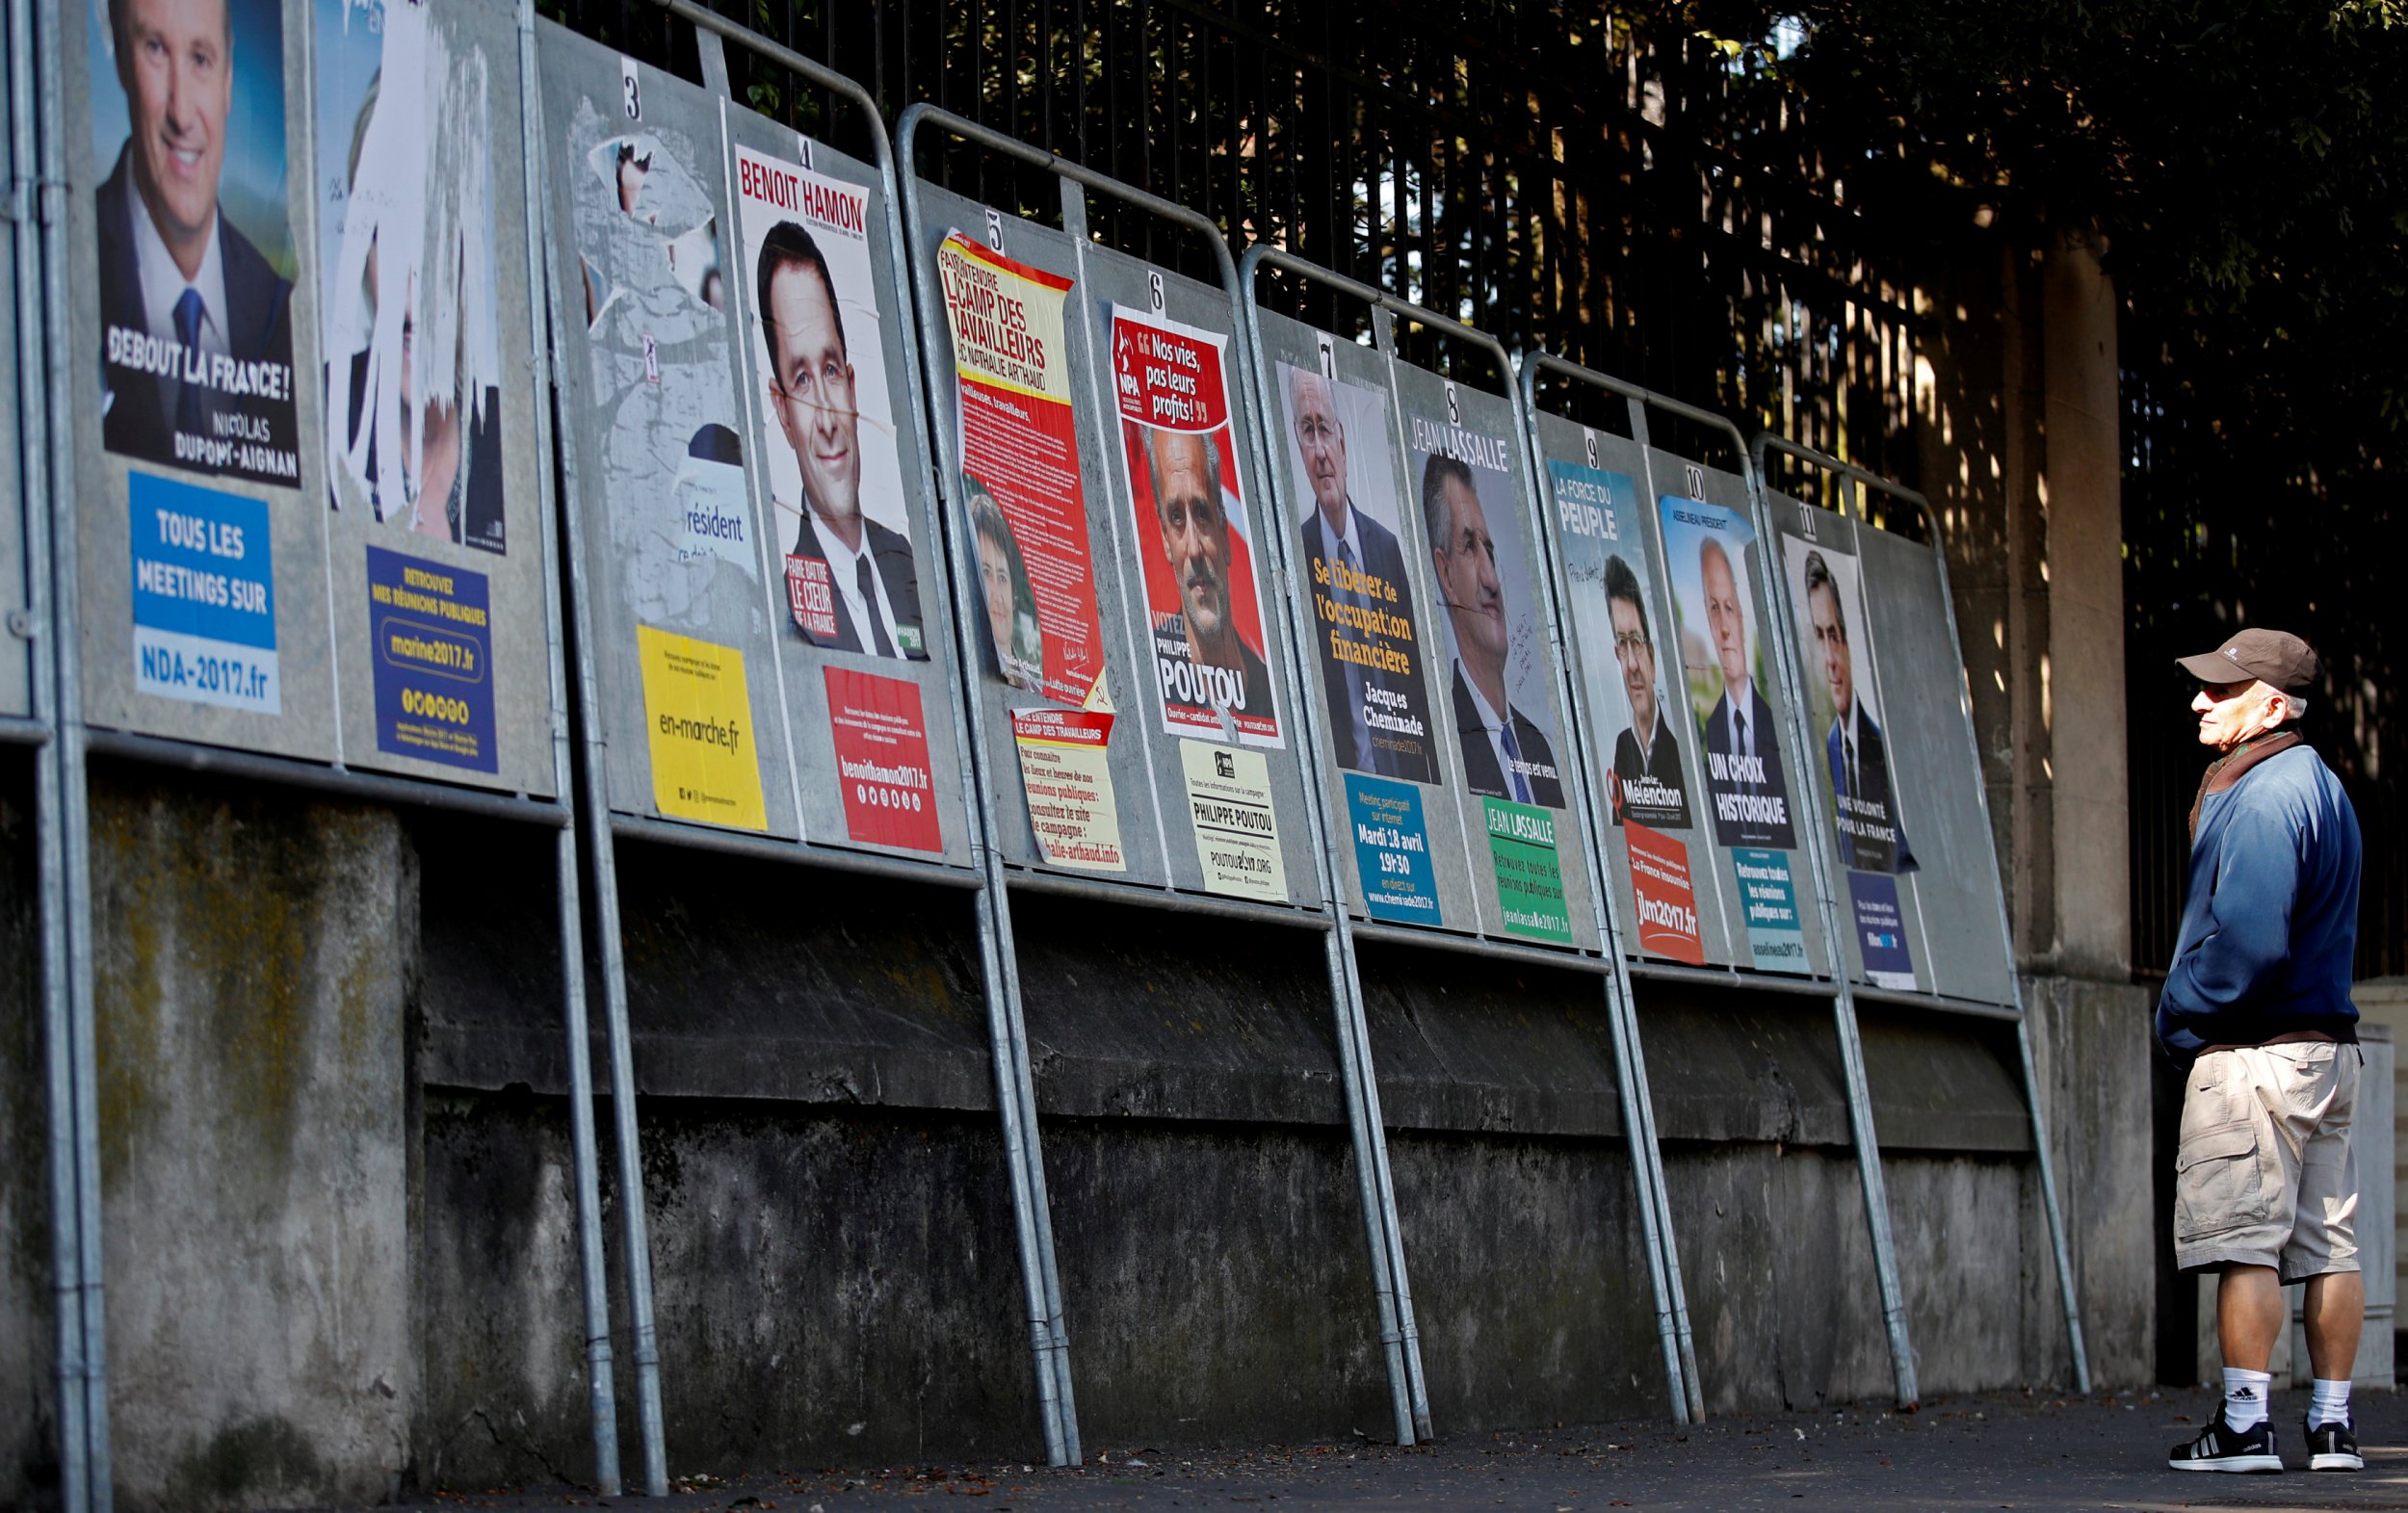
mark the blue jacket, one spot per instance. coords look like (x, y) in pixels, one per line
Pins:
(2270, 927)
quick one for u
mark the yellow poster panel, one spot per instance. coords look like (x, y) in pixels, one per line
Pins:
(699, 715)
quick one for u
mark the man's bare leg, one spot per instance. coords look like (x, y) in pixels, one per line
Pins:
(2249, 1315)
(2336, 1316)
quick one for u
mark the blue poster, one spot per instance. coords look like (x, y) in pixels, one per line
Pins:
(1392, 851)
(1769, 899)
(434, 659)
(204, 595)
(1881, 930)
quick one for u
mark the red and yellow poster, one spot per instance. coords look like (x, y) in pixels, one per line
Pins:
(1020, 461)
(1193, 533)
(1065, 767)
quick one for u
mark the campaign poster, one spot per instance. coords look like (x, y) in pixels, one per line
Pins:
(204, 595)
(1613, 610)
(1366, 638)
(1066, 771)
(198, 255)
(1666, 896)
(1709, 553)
(1202, 601)
(882, 760)
(1844, 705)
(1237, 828)
(651, 292)
(1881, 930)
(824, 439)
(1503, 716)
(1776, 939)
(1020, 460)
(706, 756)
(1530, 876)
(1392, 851)
(430, 625)
(407, 276)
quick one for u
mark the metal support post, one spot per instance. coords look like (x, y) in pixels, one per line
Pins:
(601, 1385)
(61, 793)
(1638, 1108)
(2047, 1160)
(1843, 998)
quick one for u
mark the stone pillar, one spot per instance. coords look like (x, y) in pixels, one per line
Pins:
(254, 963)
(2018, 409)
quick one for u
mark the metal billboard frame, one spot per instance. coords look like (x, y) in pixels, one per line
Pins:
(62, 790)
(1766, 442)
(999, 969)
(1638, 401)
(1684, 1386)
(1399, 1341)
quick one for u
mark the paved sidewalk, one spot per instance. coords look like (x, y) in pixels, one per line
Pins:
(1985, 1452)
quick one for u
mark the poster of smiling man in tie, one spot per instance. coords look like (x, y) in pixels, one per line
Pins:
(196, 252)
(1837, 652)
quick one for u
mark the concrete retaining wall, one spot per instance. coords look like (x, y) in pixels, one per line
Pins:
(340, 1223)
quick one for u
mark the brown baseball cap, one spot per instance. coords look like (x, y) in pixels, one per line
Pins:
(2275, 658)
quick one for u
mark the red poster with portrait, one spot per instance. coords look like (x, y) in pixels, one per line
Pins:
(1203, 612)
(1020, 458)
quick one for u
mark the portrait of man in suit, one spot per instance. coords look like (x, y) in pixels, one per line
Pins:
(197, 337)
(1363, 602)
(1647, 782)
(1742, 743)
(1213, 666)
(876, 581)
(1871, 837)
(1506, 755)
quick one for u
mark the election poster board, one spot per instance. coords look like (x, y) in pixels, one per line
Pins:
(1499, 709)
(1060, 699)
(682, 608)
(1646, 758)
(202, 534)
(1212, 709)
(1723, 597)
(436, 537)
(1893, 770)
(861, 627)
(1359, 566)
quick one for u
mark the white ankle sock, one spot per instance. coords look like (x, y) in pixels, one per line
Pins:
(2244, 1396)
(2328, 1402)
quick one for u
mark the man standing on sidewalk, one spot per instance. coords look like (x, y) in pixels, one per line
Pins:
(2257, 1005)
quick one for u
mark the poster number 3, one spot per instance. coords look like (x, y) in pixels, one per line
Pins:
(630, 89)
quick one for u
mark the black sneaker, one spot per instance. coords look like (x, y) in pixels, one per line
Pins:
(2221, 1447)
(2333, 1447)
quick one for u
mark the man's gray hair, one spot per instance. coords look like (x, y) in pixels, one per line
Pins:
(2294, 706)
(1154, 436)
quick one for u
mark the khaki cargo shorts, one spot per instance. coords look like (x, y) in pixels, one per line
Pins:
(2264, 1175)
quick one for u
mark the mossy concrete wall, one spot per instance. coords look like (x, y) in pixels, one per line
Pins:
(253, 966)
(341, 1224)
